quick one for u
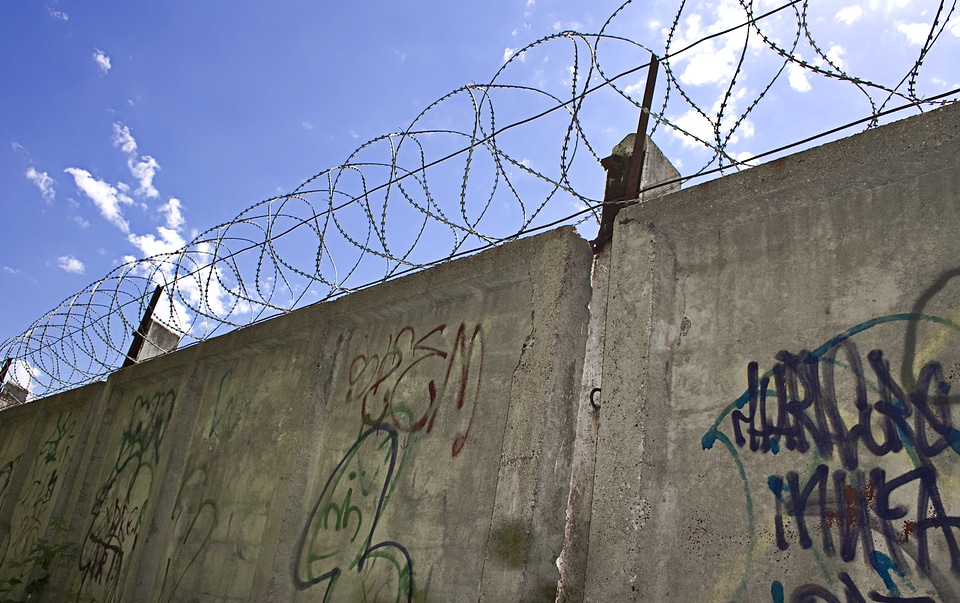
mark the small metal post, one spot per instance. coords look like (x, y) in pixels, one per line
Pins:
(613, 202)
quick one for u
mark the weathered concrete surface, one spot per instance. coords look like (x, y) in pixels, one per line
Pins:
(573, 562)
(779, 368)
(39, 460)
(408, 442)
(130, 453)
(849, 251)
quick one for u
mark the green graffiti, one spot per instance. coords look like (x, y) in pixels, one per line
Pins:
(6, 473)
(51, 447)
(229, 412)
(193, 527)
(120, 503)
(337, 546)
(42, 484)
(195, 515)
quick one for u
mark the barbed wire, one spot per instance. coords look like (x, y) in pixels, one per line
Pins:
(436, 191)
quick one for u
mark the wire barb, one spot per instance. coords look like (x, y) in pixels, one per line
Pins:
(457, 180)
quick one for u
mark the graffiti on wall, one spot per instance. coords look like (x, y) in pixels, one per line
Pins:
(415, 385)
(120, 503)
(45, 473)
(26, 551)
(196, 515)
(226, 411)
(6, 475)
(874, 453)
(341, 531)
(413, 376)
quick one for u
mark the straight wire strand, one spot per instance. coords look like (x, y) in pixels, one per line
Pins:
(448, 157)
(254, 267)
(566, 219)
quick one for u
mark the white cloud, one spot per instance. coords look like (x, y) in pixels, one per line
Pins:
(696, 124)
(797, 76)
(206, 290)
(81, 222)
(916, 32)
(70, 264)
(172, 210)
(44, 182)
(953, 26)
(635, 89)
(169, 239)
(507, 53)
(202, 290)
(835, 54)
(746, 128)
(123, 139)
(306, 125)
(58, 14)
(105, 197)
(171, 312)
(850, 14)
(143, 171)
(713, 61)
(102, 61)
(709, 66)
(744, 159)
(150, 246)
(561, 26)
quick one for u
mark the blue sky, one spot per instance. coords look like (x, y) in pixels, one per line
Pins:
(129, 128)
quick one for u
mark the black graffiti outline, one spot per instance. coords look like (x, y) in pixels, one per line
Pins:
(714, 435)
(826, 429)
(811, 593)
(139, 449)
(370, 550)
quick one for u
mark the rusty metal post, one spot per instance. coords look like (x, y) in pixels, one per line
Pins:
(623, 182)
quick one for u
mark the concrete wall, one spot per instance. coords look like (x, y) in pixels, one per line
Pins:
(781, 367)
(765, 414)
(409, 442)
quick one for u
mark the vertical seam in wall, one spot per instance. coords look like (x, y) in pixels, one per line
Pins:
(190, 387)
(565, 350)
(503, 434)
(589, 420)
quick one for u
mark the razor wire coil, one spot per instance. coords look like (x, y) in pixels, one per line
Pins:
(390, 209)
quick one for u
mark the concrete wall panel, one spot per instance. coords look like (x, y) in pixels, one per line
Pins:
(39, 453)
(239, 455)
(779, 371)
(410, 442)
(122, 478)
(780, 378)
